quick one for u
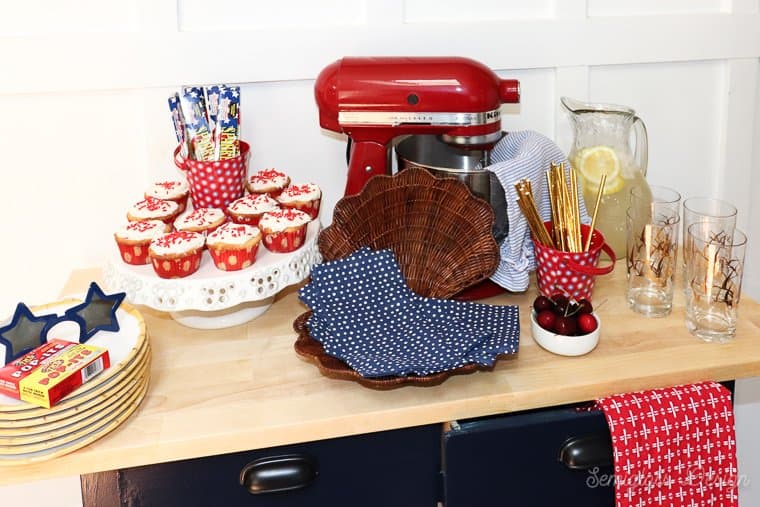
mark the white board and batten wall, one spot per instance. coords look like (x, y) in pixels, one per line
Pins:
(85, 127)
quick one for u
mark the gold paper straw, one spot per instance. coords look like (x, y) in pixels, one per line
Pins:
(563, 205)
(596, 210)
(560, 227)
(552, 207)
(576, 211)
(567, 210)
(530, 211)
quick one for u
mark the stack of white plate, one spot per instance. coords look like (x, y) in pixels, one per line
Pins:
(29, 433)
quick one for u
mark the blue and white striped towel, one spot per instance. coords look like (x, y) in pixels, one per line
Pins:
(523, 154)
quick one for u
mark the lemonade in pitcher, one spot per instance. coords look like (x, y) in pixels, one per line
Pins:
(601, 146)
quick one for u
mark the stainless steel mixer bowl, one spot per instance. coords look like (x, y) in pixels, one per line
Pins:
(444, 160)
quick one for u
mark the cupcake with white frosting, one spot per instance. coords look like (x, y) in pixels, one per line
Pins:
(248, 209)
(153, 209)
(284, 230)
(201, 220)
(267, 181)
(134, 239)
(170, 190)
(304, 197)
(233, 246)
(176, 254)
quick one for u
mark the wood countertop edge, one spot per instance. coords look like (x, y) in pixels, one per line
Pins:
(103, 458)
(533, 383)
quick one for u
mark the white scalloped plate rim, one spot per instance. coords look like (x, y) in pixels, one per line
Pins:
(98, 430)
(73, 433)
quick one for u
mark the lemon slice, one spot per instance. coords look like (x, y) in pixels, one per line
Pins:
(595, 161)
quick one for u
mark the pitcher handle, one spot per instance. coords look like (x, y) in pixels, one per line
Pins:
(641, 154)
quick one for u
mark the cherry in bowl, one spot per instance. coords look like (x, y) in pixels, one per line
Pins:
(569, 329)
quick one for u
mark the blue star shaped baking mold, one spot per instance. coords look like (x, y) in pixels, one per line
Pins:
(96, 313)
(25, 332)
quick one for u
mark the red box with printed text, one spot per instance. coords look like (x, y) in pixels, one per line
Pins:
(46, 374)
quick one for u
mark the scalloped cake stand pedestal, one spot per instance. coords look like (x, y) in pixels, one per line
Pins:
(217, 319)
(211, 298)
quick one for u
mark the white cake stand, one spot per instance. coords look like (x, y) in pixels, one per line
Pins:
(211, 298)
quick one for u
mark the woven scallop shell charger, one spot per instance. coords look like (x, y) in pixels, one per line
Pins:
(440, 234)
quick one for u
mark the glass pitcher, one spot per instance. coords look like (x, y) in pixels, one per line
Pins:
(602, 145)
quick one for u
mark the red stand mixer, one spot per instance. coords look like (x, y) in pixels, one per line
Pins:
(451, 105)
(375, 99)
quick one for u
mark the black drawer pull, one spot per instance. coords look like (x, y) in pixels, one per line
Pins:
(583, 453)
(278, 473)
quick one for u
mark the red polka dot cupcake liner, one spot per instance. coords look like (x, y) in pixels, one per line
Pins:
(571, 273)
(234, 259)
(215, 184)
(245, 219)
(309, 207)
(285, 241)
(179, 267)
(134, 254)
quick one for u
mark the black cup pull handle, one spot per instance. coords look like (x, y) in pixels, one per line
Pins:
(274, 474)
(584, 453)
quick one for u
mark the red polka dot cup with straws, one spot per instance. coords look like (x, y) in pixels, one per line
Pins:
(571, 273)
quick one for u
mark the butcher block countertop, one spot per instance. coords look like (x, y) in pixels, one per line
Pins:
(243, 388)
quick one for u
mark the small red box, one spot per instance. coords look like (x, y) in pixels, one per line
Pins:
(51, 371)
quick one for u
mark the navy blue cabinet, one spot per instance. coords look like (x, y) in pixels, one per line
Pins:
(552, 456)
(557, 456)
(392, 468)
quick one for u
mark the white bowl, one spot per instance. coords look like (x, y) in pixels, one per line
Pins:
(565, 345)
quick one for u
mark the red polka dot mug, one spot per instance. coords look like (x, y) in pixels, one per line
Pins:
(215, 184)
(571, 273)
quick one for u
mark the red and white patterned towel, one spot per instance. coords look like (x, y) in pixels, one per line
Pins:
(674, 446)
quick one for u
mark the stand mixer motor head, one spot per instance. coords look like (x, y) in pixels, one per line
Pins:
(375, 99)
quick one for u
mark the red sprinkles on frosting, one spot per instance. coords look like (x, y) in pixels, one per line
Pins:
(153, 204)
(288, 213)
(168, 185)
(202, 216)
(298, 190)
(236, 231)
(175, 238)
(252, 200)
(143, 226)
(266, 175)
